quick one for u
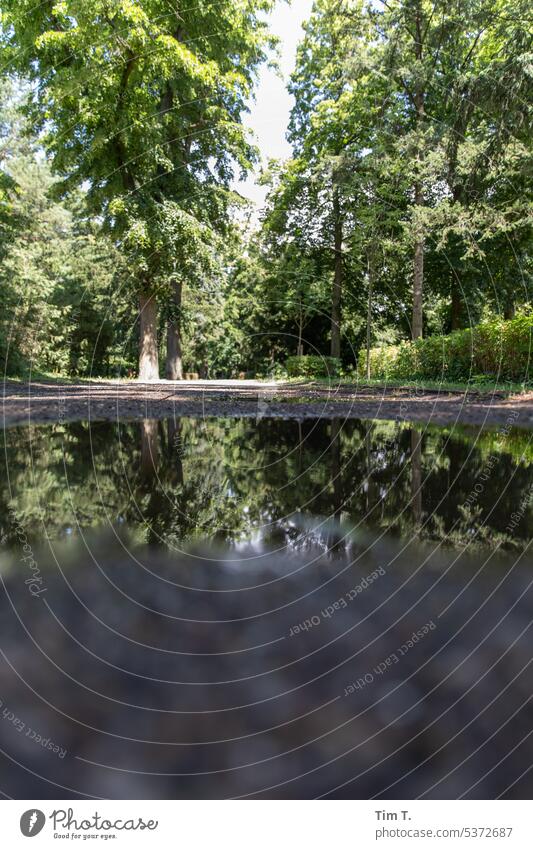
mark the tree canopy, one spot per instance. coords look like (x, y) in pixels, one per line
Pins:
(140, 104)
(405, 209)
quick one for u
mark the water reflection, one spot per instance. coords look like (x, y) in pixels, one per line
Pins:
(238, 480)
(151, 672)
(416, 478)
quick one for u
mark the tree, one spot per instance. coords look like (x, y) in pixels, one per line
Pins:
(57, 277)
(318, 131)
(58, 271)
(296, 251)
(141, 103)
(483, 224)
(343, 190)
(461, 71)
(421, 110)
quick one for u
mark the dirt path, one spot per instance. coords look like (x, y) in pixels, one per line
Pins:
(43, 401)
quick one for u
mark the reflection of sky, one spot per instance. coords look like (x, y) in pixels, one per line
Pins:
(269, 114)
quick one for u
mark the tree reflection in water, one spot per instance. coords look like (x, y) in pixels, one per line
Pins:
(175, 675)
(272, 481)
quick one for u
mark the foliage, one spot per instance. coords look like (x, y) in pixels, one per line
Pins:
(380, 111)
(117, 180)
(312, 366)
(496, 349)
(61, 279)
(182, 479)
(140, 104)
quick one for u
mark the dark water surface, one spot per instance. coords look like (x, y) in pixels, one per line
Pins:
(237, 608)
(268, 481)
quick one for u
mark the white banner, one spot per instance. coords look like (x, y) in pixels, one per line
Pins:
(266, 824)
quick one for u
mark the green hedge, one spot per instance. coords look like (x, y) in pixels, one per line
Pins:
(313, 366)
(497, 348)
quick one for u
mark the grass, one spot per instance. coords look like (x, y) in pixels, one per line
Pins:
(482, 386)
(53, 377)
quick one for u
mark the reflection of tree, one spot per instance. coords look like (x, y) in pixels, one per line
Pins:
(335, 543)
(149, 450)
(368, 455)
(175, 448)
(241, 479)
(416, 477)
(336, 466)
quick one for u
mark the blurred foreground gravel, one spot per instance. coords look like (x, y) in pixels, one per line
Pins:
(139, 674)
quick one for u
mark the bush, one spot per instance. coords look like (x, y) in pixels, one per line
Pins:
(495, 349)
(313, 366)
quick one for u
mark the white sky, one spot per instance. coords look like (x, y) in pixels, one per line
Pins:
(269, 114)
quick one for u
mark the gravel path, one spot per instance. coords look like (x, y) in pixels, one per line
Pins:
(42, 401)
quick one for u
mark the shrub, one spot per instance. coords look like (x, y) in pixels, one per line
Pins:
(313, 366)
(496, 349)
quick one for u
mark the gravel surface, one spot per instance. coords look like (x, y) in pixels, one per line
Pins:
(42, 401)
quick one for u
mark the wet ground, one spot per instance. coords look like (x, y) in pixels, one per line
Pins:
(399, 672)
(263, 607)
(41, 401)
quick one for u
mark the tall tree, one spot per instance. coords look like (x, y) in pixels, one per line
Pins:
(141, 104)
(485, 149)
(318, 131)
(462, 72)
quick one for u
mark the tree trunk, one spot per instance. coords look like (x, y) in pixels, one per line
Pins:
(418, 266)
(456, 305)
(418, 275)
(174, 364)
(369, 320)
(300, 348)
(337, 280)
(509, 309)
(456, 296)
(148, 350)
